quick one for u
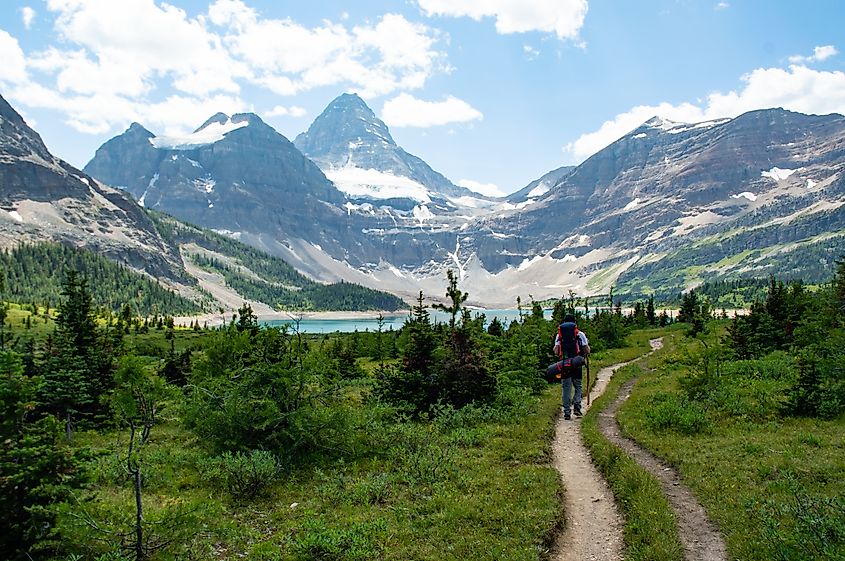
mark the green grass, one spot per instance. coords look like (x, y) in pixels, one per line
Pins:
(475, 486)
(650, 531)
(768, 484)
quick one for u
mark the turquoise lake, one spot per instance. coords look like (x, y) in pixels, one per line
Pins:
(392, 321)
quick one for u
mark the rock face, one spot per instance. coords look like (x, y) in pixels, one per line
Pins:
(229, 174)
(769, 182)
(667, 206)
(239, 176)
(43, 198)
(355, 150)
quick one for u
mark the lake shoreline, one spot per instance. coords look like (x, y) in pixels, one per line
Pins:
(217, 319)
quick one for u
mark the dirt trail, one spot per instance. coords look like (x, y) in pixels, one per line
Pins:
(593, 524)
(700, 538)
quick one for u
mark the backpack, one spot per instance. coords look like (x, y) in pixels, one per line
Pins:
(564, 368)
(570, 342)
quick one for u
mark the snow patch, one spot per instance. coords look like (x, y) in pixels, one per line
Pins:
(205, 184)
(150, 185)
(661, 123)
(359, 182)
(539, 190)
(16, 216)
(366, 207)
(421, 213)
(746, 194)
(471, 202)
(708, 124)
(214, 132)
(811, 184)
(632, 205)
(778, 174)
(456, 259)
(526, 263)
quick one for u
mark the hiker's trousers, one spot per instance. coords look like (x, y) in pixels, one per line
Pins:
(566, 384)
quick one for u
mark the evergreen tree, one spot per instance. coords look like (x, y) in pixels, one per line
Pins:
(419, 350)
(456, 296)
(495, 328)
(649, 311)
(77, 368)
(36, 470)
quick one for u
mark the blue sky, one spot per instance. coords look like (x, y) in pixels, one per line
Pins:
(492, 93)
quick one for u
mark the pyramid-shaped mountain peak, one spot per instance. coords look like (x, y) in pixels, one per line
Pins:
(218, 118)
(347, 120)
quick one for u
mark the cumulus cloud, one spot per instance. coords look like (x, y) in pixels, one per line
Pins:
(819, 54)
(488, 189)
(288, 57)
(141, 58)
(564, 18)
(125, 47)
(406, 110)
(530, 52)
(797, 88)
(282, 111)
(27, 16)
(722, 6)
(13, 69)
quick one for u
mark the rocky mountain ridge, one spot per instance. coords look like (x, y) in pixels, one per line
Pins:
(636, 208)
(44, 199)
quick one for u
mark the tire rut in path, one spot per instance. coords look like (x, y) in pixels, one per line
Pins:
(700, 537)
(593, 530)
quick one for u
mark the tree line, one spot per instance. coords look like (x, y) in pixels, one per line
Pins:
(34, 274)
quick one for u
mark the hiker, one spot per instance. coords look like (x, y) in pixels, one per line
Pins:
(571, 342)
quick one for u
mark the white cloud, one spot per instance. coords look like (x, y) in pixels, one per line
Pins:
(126, 47)
(530, 52)
(113, 62)
(176, 115)
(564, 18)
(282, 111)
(405, 110)
(13, 69)
(819, 54)
(288, 57)
(797, 88)
(488, 189)
(27, 16)
(722, 6)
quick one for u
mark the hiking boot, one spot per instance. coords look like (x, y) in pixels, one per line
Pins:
(578, 412)
(567, 417)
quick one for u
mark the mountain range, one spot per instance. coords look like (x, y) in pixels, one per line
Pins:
(665, 207)
(43, 199)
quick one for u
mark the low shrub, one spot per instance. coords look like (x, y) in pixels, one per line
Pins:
(317, 540)
(803, 527)
(668, 411)
(243, 475)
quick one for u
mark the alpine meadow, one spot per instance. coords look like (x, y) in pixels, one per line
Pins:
(550, 280)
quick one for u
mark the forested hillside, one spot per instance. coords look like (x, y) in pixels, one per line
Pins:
(34, 274)
(260, 276)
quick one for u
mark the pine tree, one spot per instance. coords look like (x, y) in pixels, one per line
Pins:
(36, 470)
(649, 311)
(456, 296)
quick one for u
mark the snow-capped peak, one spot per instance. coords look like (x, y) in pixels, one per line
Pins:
(657, 122)
(214, 130)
